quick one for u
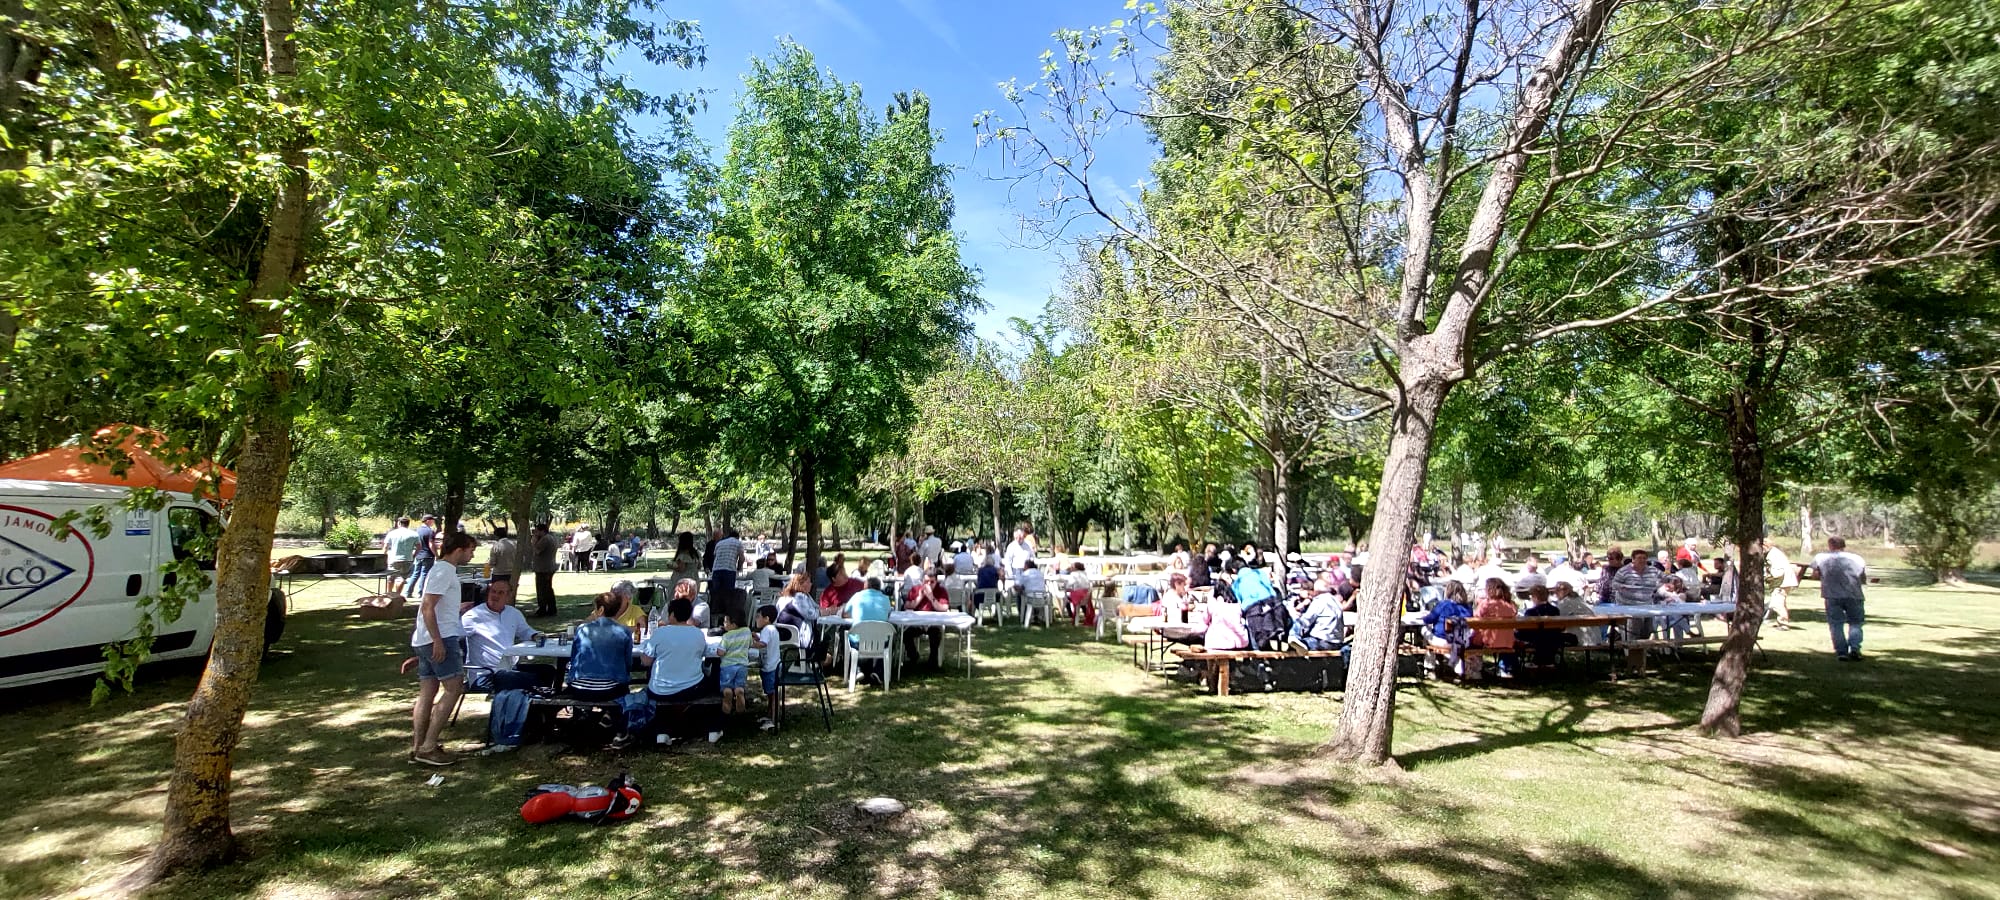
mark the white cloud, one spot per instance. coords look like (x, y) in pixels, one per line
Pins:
(847, 19)
(925, 13)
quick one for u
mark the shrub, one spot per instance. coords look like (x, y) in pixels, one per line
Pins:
(351, 537)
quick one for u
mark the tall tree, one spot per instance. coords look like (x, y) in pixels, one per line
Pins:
(831, 285)
(214, 212)
(1478, 126)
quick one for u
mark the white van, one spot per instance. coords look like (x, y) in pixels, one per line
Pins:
(61, 601)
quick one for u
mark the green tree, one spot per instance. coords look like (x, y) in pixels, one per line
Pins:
(212, 191)
(1505, 137)
(831, 284)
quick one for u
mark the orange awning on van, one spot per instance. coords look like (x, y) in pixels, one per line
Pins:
(146, 470)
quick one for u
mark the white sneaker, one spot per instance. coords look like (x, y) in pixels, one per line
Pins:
(715, 737)
(497, 749)
(663, 740)
(767, 725)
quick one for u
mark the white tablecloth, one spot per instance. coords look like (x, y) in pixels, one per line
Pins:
(955, 621)
(1656, 610)
(553, 650)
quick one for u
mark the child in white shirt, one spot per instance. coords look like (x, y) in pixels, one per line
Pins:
(766, 641)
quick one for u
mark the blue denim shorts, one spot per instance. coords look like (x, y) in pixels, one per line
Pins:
(770, 681)
(735, 677)
(454, 660)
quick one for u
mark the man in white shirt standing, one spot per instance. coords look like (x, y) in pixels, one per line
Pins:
(439, 643)
(1018, 552)
(932, 549)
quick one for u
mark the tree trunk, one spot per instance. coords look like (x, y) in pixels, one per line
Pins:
(1722, 714)
(993, 491)
(1368, 708)
(455, 480)
(196, 830)
(197, 833)
(1805, 525)
(521, 511)
(1281, 523)
(792, 524)
(1457, 515)
(1266, 503)
(809, 501)
(614, 515)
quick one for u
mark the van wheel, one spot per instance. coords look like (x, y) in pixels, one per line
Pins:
(274, 618)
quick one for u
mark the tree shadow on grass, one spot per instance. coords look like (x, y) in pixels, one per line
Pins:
(1053, 771)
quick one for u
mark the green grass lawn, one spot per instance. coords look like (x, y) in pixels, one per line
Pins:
(1060, 770)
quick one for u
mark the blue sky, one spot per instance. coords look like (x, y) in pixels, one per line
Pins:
(956, 53)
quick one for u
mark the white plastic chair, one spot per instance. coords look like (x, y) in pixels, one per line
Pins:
(959, 594)
(597, 560)
(872, 640)
(989, 603)
(1107, 611)
(788, 636)
(1034, 602)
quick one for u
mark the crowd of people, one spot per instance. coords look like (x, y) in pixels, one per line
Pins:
(1222, 598)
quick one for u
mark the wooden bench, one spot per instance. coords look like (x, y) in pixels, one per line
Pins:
(1215, 664)
(1528, 623)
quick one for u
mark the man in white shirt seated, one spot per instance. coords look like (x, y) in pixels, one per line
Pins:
(490, 629)
(1490, 569)
(1530, 577)
(1030, 581)
(962, 563)
(1565, 572)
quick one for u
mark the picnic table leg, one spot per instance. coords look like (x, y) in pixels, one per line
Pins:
(1222, 678)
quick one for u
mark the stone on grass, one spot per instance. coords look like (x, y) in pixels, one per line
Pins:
(881, 808)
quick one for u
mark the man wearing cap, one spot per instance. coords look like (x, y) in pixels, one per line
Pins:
(932, 549)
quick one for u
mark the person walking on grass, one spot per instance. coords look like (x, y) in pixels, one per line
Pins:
(425, 555)
(439, 643)
(1780, 578)
(399, 546)
(1841, 575)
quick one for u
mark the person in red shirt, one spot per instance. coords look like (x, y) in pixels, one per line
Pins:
(840, 588)
(928, 596)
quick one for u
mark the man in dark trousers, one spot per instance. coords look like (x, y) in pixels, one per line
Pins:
(427, 551)
(543, 546)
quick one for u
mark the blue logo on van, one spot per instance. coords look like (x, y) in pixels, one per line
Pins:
(24, 572)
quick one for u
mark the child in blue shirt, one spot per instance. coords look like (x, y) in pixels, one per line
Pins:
(735, 669)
